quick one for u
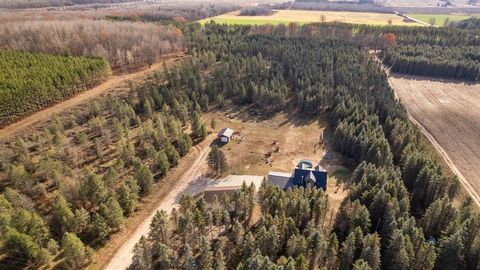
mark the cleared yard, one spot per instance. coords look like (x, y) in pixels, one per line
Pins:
(309, 16)
(277, 144)
(449, 112)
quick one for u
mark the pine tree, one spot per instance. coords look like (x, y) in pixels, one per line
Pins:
(161, 163)
(144, 178)
(74, 252)
(216, 160)
(213, 124)
(188, 259)
(396, 253)
(451, 252)
(371, 251)
(112, 212)
(219, 260)
(62, 216)
(172, 154)
(347, 252)
(205, 257)
(361, 265)
(197, 126)
(142, 258)
(127, 200)
(93, 189)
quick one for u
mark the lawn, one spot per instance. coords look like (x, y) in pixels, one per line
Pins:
(439, 18)
(309, 16)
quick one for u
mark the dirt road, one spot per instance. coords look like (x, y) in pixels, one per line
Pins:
(45, 114)
(448, 113)
(189, 182)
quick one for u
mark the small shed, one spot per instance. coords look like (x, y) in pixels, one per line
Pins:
(225, 135)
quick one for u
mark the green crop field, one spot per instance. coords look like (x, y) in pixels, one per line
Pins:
(311, 16)
(439, 18)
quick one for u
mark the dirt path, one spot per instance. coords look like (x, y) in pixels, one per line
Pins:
(45, 114)
(187, 180)
(448, 114)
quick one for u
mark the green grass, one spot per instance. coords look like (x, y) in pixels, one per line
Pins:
(246, 21)
(439, 19)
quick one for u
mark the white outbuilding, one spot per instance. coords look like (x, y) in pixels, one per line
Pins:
(225, 135)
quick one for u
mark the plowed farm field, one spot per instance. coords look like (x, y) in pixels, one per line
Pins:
(449, 115)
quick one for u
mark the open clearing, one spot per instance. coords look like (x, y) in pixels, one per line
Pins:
(295, 138)
(277, 144)
(309, 16)
(449, 115)
(439, 18)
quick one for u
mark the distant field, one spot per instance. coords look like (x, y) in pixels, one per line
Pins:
(309, 16)
(439, 18)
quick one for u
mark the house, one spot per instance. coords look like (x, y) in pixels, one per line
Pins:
(304, 174)
(225, 135)
(228, 185)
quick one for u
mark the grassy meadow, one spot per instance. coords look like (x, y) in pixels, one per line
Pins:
(439, 18)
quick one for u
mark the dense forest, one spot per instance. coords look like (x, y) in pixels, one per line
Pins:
(471, 23)
(437, 61)
(30, 82)
(125, 45)
(189, 12)
(255, 11)
(400, 211)
(427, 51)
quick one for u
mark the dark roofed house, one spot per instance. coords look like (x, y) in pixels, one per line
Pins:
(305, 173)
(225, 135)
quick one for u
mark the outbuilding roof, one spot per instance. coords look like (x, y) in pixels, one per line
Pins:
(227, 132)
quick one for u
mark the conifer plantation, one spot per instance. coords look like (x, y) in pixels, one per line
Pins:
(400, 211)
(30, 82)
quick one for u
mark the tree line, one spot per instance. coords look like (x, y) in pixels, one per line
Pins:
(30, 81)
(19, 4)
(437, 61)
(125, 45)
(470, 23)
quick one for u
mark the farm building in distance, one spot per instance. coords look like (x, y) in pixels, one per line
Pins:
(225, 135)
(305, 173)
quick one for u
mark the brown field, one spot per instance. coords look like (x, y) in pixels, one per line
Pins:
(449, 116)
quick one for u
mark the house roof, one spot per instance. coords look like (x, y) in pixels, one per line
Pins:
(233, 182)
(280, 179)
(311, 176)
(227, 132)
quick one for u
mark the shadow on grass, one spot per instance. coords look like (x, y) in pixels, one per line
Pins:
(343, 175)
